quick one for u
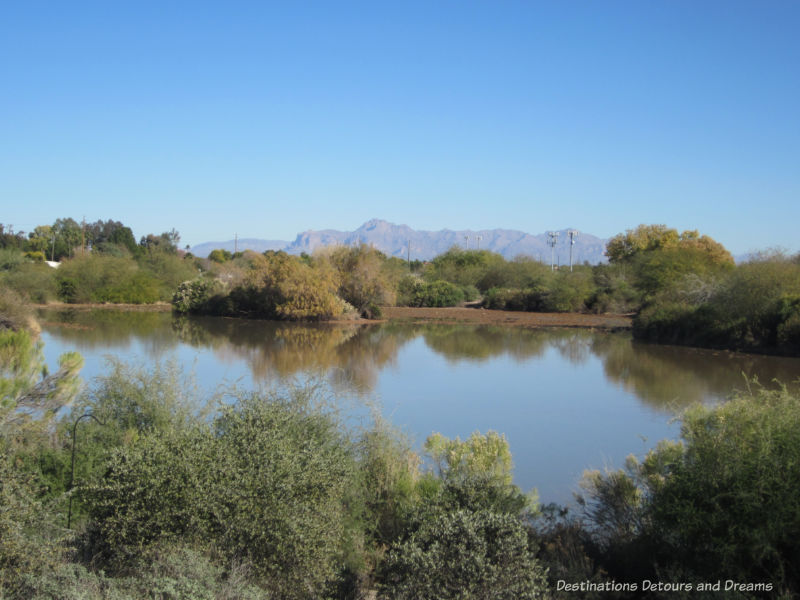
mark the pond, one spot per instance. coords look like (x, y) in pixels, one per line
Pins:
(566, 399)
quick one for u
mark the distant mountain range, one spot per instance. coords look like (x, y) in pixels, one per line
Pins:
(394, 240)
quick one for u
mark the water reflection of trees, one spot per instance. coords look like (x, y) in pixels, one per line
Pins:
(349, 355)
(672, 377)
(481, 342)
(101, 328)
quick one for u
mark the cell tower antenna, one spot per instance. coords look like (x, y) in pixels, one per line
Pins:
(552, 240)
(572, 233)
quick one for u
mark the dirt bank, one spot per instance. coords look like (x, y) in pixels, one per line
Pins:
(504, 317)
(157, 307)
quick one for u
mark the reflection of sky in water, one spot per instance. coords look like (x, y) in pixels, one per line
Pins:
(566, 401)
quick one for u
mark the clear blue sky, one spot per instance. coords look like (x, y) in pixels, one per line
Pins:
(268, 119)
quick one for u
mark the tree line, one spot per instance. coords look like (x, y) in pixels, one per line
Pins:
(680, 287)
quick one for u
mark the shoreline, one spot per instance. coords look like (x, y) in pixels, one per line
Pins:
(449, 315)
(482, 316)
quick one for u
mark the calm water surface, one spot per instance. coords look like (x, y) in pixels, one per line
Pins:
(566, 399)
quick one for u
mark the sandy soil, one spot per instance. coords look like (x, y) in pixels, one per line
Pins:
(503, 317)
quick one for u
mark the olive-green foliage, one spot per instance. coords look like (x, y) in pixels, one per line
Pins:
(363, 279)
(170, 572)
(529, 299)
(570, 291)
(102, 278)
(220, 255)
(662, 270)
(749, 307)
(465, 555)
(725, 503)
(29, 395)
(14, 313)
(467, 538)
(10, 259)
(646, 239)
(29, 541)
(412, 291)
(128, 402)
(35, 281)
(29, 398)
(615, 289)
(195, 296)
(167, 269)
(389, 472)
(279, 286)
(521, 273)
(37, 257)
(486, 456)
(721, 504)
(265, 482)
(462, 267)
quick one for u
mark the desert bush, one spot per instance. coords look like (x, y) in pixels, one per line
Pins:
(750, 307)
(462, 267)
(10, 258)
(283, 287)
(195, 296)
(529, 299)
(167, 270)
(720, 504)
(170, 572)
(414, 292)
(14, 313)
(570, 291)
(363, 282)
(30, 543)
(465, 555)
(265, 484)
(37, 282)
(220, 255)
(104, 278)
(615, 290)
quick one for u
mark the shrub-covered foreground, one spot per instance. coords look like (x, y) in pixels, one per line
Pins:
(274, 496)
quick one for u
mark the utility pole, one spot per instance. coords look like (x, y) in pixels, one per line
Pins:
(83, 234)
(552, 241)
(409, 254)
(572, 233)
(235, 243)
(53, 253)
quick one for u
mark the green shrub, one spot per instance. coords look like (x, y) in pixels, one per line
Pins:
(35, 256)
(465, 555)
(721, 504)
(266, 486)
(194, 296)
(363, 280)
(415, 292)
(105, 278)
(471, 293)
(37, 282)
(531, 299)
(173, 572)
(29, 541)
(220, 255)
